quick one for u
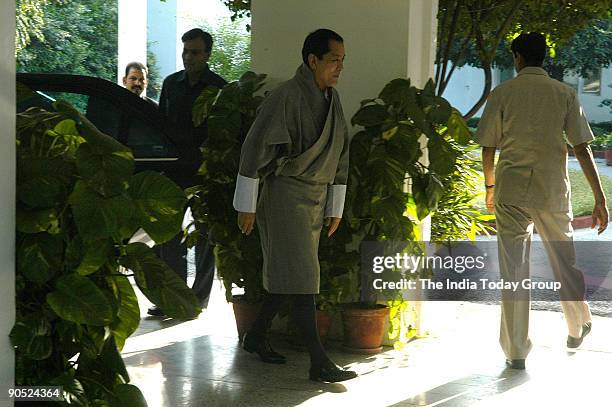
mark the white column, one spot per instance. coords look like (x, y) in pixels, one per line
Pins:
(7, 196)
(132, 31)
(422, 32)
(162, 34)
(423, 28)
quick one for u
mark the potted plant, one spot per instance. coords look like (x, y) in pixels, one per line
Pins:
(78, 204)
(385, 155)
(229, 113)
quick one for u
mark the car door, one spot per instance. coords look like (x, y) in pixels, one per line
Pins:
(115, 111)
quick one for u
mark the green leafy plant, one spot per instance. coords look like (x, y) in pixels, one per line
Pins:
(458, 216)
(229, 113)
(390, 189)
(78, 204)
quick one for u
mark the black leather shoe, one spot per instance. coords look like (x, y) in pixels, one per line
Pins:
(575, 342)
(261, 346)
(156, 311)
(332, 374)
(518, 364)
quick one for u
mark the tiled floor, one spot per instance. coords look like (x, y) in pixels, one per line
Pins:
(199, 363)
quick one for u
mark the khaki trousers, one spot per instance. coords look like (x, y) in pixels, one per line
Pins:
(514, 231)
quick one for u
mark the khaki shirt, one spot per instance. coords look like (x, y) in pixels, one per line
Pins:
(526, 118)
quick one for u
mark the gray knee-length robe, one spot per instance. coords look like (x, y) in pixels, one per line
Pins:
(298, 148)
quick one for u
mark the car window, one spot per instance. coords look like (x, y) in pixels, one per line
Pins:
(75, 99)
(147, 141)
(104, 114)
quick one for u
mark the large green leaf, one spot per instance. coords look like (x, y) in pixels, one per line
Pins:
(37, 220)
(42, 182)
(78, 299)
(419, 193)
(440, 110)
(39, 257)
(434, 192)
(396, 92)
(72, 388)
(44, 191)
(202, 105)
(416, 113)
(106, 172)
(95, 254)
(159, 205)
(97, 217)
(159, 283)
(441, 156)
(32, 336)
(111, 363)
(458, 128)
(127, 395)
(128, 317)
(370, 115)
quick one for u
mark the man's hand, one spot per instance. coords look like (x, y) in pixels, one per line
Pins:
(601, 215)
(246, 222)
(490, 200)
(332, 224)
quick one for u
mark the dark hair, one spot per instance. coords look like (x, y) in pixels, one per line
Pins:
(198, 33)
(136, 65)
(317, 43)
(531, 46)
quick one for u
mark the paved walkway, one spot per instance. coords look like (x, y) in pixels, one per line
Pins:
(199, 363)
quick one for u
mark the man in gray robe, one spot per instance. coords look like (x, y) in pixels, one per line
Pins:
(297, 149)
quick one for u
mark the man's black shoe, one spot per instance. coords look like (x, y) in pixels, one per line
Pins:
(331, 374)
(261, 346)
(156, 311)
(575, 342)
(518, 364)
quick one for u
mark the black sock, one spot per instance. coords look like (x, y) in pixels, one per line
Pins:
(304, 312)
(270, 307)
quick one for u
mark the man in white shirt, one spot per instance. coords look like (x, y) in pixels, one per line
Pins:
(526, 118)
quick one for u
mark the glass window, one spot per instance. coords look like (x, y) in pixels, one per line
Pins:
(75, 99)
(147, 141)
(104, 115)
(592, 83)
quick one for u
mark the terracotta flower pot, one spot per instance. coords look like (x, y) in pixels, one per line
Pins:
(245, 314)
(364, 327)
(609, 156)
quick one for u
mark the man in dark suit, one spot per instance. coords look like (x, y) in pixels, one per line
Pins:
(178, 94)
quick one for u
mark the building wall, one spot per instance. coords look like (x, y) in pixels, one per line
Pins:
(161, 29)
(590, 101)
(377, 37)
(7, 195)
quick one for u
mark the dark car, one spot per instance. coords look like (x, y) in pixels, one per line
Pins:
(132, 120)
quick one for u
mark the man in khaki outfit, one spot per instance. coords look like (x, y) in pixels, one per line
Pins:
(526, 118)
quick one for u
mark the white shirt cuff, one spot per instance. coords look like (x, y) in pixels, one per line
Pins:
(335, 201)
(245, 195)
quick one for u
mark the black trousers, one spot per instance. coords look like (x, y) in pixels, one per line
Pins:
(174, 254)
(304, 314)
